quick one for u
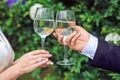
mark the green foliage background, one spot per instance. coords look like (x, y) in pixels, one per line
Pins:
(99, 17)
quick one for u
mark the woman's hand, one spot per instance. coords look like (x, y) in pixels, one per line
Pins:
(77, 40)
(32, 60)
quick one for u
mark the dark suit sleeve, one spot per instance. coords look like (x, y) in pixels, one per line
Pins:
(107, 56)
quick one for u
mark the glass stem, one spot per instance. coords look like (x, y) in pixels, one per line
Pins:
(65, 53)
(43, 43)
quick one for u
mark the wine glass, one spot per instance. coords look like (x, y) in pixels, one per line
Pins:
(44, 23)
(65, 23)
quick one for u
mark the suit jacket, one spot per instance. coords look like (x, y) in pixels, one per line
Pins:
(107, 56)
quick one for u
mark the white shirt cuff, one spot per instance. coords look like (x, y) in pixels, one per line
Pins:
(91, 47)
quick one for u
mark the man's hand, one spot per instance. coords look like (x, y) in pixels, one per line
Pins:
(77, 40)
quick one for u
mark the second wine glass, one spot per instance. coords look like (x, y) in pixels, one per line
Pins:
(65, 23)
(44, 23)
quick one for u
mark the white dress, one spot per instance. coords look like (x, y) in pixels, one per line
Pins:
(6, 53)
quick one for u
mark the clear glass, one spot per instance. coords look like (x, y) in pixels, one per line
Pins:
(44, 23)
(65, 23)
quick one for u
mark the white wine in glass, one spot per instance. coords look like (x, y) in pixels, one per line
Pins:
(44, 23)
(65, 23)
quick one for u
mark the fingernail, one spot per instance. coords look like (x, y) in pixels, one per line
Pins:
(51, 63)
(46, 60)
(50, 55)
(47, 52)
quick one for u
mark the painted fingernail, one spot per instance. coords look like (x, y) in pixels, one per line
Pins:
(46, 60)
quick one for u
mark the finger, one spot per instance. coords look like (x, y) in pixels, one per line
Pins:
(43, 56)
(36, 52)
(72, 24)
(68, 40)
(73, 41)
(78, 28)
(55, 35)
(49, 63)
(60, 39)
(39, 57)
(37, 60)
(39, 64)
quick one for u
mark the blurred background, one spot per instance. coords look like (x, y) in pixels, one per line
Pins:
(99, 17)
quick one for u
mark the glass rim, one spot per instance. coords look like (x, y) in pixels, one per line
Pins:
(65, 10)
(43, 8)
